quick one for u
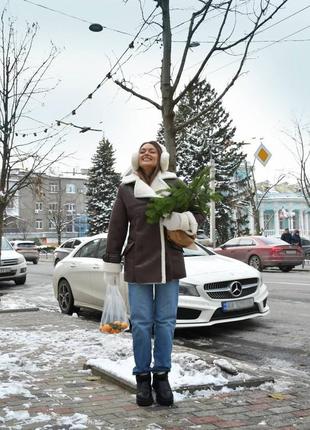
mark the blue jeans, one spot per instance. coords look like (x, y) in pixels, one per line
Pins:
(153, 307)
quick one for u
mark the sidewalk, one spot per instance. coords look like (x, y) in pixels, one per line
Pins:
(55, 392)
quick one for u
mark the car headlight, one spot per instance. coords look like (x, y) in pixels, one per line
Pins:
(260, 281)
(21, 260)
(188, 290)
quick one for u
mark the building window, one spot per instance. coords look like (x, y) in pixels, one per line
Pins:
(11, 204)
(53, 187)
(70, 207)
(70, 228)
(52, 207)
(39, 224)
(39, 207)
(51, 224)
(70, 188)
(268, 220)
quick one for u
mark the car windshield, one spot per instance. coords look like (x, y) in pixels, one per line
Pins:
(5, 246)
(273, 241)
(201, 250)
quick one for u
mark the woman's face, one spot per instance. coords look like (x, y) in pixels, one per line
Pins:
(148, 157)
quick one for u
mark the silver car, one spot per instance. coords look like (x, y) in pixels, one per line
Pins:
(66, 247)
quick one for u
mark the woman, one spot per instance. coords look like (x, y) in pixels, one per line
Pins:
(153, 267)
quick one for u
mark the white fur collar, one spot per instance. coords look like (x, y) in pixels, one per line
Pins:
(143, 190)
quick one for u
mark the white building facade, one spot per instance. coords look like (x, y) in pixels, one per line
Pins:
(280, 210)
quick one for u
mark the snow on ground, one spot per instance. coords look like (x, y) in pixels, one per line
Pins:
(48, 347)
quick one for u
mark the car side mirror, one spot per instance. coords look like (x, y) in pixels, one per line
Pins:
(223, 246)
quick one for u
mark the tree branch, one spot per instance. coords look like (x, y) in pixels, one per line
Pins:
(134, 93)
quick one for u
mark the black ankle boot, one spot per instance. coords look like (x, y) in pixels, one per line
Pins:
(164, 395)
(144, 390)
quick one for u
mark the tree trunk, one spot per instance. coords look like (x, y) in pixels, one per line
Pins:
(2, 212)
(166, 88)
(256, 221)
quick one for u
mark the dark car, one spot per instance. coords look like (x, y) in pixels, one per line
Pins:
(261, 252)
(305, 244)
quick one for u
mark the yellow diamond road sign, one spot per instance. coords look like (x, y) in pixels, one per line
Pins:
(262, 154)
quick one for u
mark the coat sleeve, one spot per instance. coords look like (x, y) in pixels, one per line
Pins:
(117, 233)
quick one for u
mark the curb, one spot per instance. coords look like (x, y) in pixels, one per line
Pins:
(252, 382)
(8, 311)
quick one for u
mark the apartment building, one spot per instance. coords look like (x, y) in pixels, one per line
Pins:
(50, 204)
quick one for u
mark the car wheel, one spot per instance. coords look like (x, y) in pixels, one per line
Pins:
(20, 281)
(35, 261)
(286, 268)
(65, 297)
(255, 262)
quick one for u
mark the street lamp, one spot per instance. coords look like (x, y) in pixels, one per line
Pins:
(95, 27)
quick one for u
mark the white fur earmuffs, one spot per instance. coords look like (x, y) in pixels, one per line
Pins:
(164, 159)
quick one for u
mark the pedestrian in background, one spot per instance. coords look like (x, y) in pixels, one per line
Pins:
(286, 236)
(152, 267)
(296, 240)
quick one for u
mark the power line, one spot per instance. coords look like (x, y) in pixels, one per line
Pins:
(112, 69)
(264, 47)
(74, 17)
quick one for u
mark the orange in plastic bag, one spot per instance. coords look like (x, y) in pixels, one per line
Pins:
(114, 327)
(114, 318)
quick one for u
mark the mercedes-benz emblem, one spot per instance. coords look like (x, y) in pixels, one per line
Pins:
(235, 288)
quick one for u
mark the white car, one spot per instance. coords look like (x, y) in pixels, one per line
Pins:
(216, 289)
(13, 266)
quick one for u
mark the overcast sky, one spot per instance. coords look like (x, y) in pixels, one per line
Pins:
(263, 103)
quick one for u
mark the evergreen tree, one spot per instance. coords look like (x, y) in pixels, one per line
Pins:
(102, 187)
(211, 136)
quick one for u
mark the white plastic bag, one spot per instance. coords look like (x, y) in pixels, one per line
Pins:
(114, 314)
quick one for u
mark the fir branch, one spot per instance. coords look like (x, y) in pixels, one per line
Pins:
(195, 197)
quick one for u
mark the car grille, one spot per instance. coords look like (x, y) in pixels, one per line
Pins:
(10, 262)
(221, 290)
(220, 315)
(10, 273)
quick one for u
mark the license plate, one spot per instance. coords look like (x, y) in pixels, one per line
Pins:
(237, 304)
(3, 270)
(290, 251)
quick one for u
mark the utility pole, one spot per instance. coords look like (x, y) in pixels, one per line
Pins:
(212, 203)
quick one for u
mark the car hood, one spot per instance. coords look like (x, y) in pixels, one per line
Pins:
(8, 254)
(216, 267)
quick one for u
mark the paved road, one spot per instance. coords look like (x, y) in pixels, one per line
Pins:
(279, 340)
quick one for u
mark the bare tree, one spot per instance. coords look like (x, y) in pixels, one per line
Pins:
(234, 24)
(301, 139)
(60, 216)
(254, 197)
(22, 83)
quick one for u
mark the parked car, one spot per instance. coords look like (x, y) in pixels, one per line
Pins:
(28, 248)
(13, 266)
(216, 289)
(261, 252)
(305, 244)
(203, 238)
(66, 247)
